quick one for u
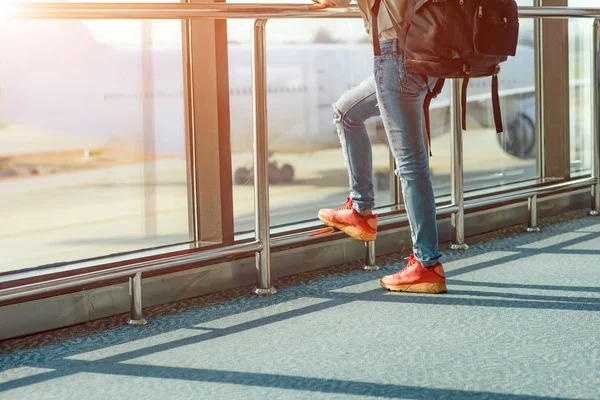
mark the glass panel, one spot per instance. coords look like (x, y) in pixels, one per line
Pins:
(239, 33)
(580, 75)
(92, 157)
(310, 64)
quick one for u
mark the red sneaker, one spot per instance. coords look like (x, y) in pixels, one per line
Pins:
(416, 278)
(346, 219)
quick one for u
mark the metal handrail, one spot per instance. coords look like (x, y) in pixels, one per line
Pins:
(261, 246)
(129, 270)
(523, 194)
(227, 11)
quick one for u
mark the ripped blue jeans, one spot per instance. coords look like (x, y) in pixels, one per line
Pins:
(397, 95)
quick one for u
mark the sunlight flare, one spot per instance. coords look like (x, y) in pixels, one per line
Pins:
(7, 9)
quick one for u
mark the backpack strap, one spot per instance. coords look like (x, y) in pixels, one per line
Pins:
(375, 28)
(463, 102)
(496, 103)
(431, 94)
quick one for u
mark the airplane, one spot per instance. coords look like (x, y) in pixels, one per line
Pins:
(54, 75)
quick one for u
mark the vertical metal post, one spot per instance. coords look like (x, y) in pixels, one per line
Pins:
(370, 263)
(532, 206)
(538, 39)
(261, 156)
(136, 315)
(456, 157)
(595, 209)
(190, 132)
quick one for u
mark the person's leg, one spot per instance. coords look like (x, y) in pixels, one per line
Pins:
(349, 114)
(400, 98)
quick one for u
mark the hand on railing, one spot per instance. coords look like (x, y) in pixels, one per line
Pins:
(333, 3)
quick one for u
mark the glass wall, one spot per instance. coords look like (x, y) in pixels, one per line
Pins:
(92, 130)
(92, 158)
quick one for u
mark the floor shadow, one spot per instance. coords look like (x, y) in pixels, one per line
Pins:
(277, 381)
(479, 299)
(457, 282)
(518, 296)
(522, 252)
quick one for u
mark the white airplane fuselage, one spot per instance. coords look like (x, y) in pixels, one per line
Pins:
(54, 76)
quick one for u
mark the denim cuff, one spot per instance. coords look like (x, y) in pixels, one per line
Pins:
(362, 207)
(430, 263)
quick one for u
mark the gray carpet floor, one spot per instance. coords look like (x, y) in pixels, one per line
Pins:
(521, 320)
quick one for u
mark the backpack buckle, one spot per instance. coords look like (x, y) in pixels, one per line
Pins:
(496, 70)
(466, 69)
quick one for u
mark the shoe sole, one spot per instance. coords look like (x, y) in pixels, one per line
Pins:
(351, 231)
(433, 288)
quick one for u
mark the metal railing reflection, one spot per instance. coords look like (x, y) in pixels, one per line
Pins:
(261, 246)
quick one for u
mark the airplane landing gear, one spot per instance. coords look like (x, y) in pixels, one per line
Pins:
(242, 176)
(519, 137)
(285, 174)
